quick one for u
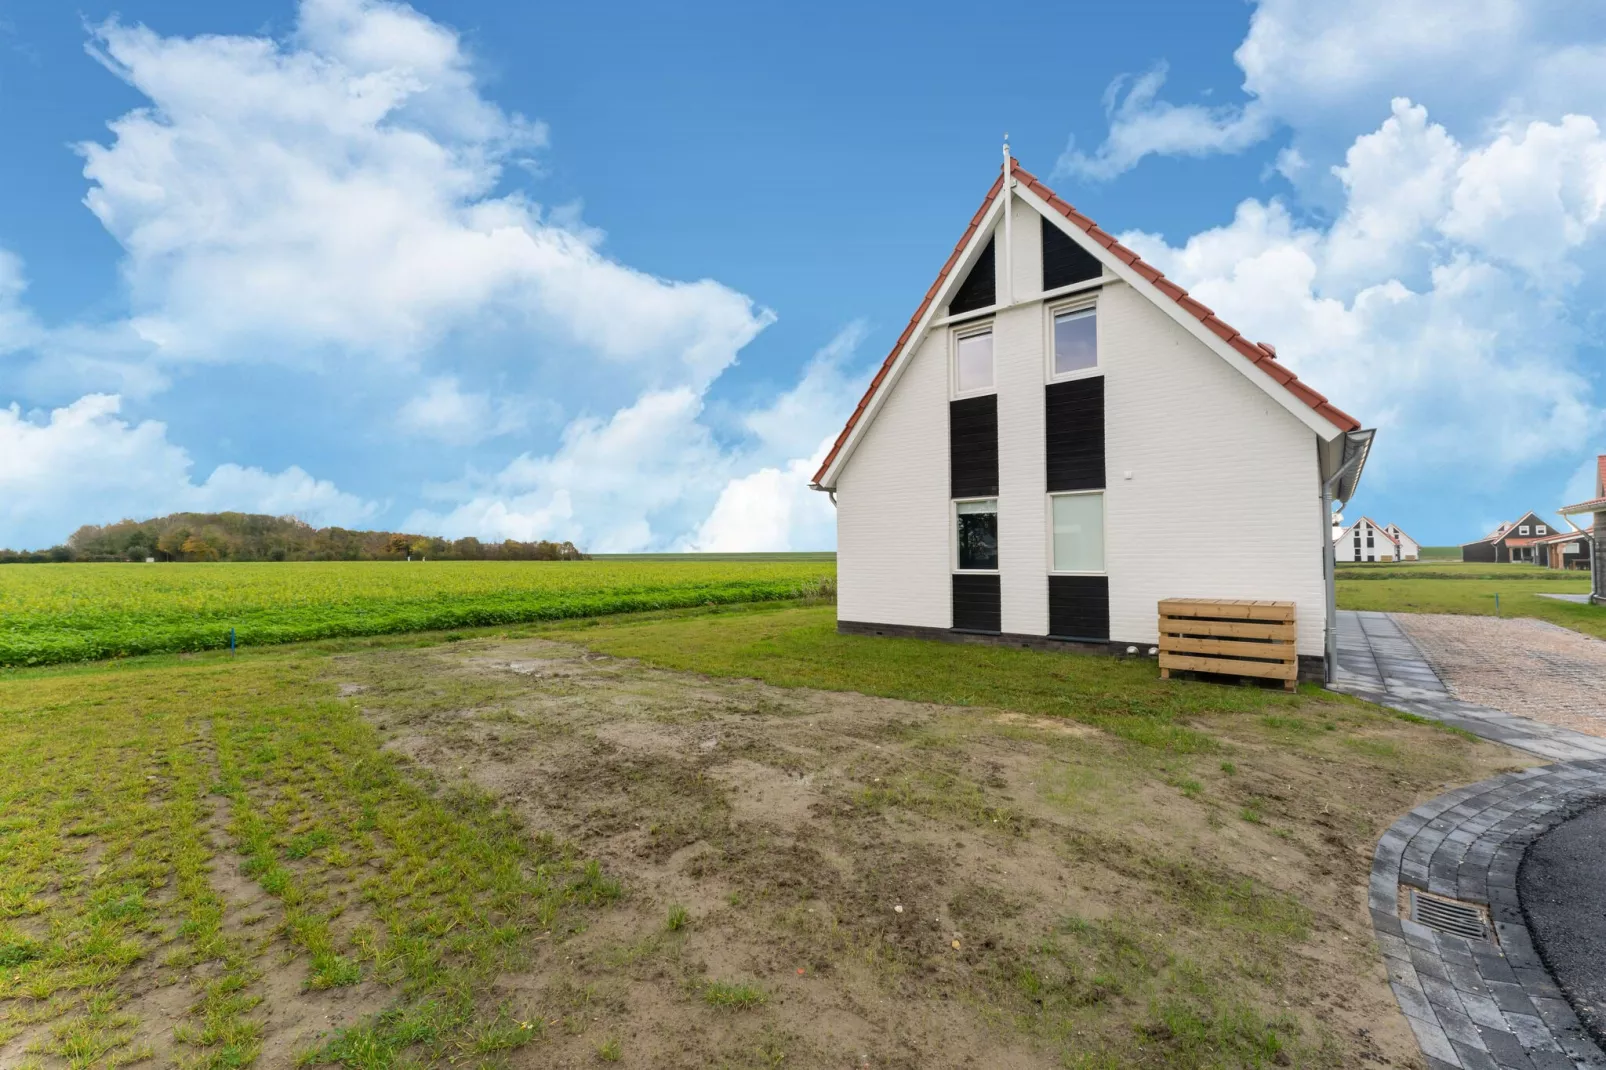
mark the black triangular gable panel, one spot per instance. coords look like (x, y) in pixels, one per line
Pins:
(980, 288)
(1065, 262)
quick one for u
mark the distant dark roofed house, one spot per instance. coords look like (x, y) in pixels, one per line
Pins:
(1595, 507)
(1563, 549)
(1510, 542)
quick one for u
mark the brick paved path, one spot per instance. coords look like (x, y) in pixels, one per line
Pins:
(1379, 662)
(1522, 666)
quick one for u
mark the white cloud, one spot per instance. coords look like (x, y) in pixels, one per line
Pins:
(771, 509)
(445, 413)
(1143, 125)
(83, 464)
(1424, 318)
(654, 476)
(336, 193)
(1319, 69)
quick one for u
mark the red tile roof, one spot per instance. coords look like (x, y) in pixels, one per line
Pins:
(1261, 354)
(1581, 506)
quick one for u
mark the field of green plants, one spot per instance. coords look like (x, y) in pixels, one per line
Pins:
(76, 612)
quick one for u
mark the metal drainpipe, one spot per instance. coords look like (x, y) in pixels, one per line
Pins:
(1329, 578)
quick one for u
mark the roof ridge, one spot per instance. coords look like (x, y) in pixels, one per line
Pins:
(1261, 354)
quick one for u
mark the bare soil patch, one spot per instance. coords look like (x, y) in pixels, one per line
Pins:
(898, 884)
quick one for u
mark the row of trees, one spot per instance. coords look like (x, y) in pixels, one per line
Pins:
(255, 537)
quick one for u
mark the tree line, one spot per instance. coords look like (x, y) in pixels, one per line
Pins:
(255, 537)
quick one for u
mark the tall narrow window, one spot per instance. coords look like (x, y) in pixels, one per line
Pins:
(1075, 341)
(1078, 532)
(978, 534)
(973, 362)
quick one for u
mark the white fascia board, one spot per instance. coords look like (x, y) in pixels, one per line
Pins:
(939, 300)
(1301, 411)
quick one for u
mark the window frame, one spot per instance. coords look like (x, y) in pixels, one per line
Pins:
(953, 536)
(1541, 529)
(1523, 530)
(1080, 302)
(957, 334)
(1104, 531)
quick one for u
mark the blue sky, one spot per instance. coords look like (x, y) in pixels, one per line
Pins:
(524, 271)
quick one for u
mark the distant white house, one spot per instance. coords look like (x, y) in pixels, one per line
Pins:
(1407, 546)
(1053, 406)
(1367, 540)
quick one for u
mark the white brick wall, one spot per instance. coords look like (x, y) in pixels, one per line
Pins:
(892, 515)
(1209, 452)
(1204, 447)
(1022, 465)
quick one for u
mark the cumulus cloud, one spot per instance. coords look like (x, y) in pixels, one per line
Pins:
(1319, 69)
(338, 200)
(444, 412)
(655, 476)
(336, 193)
(1143, 125)
(83, 456)
(1421, 307)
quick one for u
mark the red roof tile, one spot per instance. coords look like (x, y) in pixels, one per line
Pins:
(1262, 355)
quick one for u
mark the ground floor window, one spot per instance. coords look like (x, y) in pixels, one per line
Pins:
(1078, 535)
(976, 525)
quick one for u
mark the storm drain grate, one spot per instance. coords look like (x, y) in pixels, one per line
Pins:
(1449, 916)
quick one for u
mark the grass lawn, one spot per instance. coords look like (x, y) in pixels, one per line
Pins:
(715, 837)
(1467, 588)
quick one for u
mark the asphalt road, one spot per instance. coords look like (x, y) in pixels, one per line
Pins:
(1562, 885)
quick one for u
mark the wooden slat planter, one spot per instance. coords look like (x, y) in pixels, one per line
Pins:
(1235, 637)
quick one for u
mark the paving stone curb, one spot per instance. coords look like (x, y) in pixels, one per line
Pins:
(1377, 661)
(1476, 1004)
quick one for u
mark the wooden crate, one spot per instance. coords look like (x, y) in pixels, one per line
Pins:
(1236, 637)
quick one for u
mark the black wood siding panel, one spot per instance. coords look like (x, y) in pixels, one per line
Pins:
(980, 287)
(978, 603)
(1079, 607)
(1065, 262)
(1075, 418)
(973, 447)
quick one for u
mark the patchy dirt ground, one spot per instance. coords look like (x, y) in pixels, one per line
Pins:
(1524, 666)
(825, 879)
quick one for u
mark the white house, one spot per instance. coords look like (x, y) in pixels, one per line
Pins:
(1367, 540)
(1409, 548)
(1035, 457)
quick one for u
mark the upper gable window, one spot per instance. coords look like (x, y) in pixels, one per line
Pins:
(973, 362)
(1075, 335)
(1540, 529)
(1064, 261)
(980, 288)
(1523, 530)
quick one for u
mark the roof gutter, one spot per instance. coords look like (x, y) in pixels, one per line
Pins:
(1357, 447)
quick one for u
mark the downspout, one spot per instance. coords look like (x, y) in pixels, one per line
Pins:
(1330, 582)
(1357, 445)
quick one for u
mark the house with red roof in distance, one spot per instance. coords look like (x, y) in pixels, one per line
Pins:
(1367, 540)
(1564, 549)
(1511, 542)
(1594, 508)
(1054, 408)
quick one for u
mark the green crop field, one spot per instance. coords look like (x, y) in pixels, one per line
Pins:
(75, 612)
